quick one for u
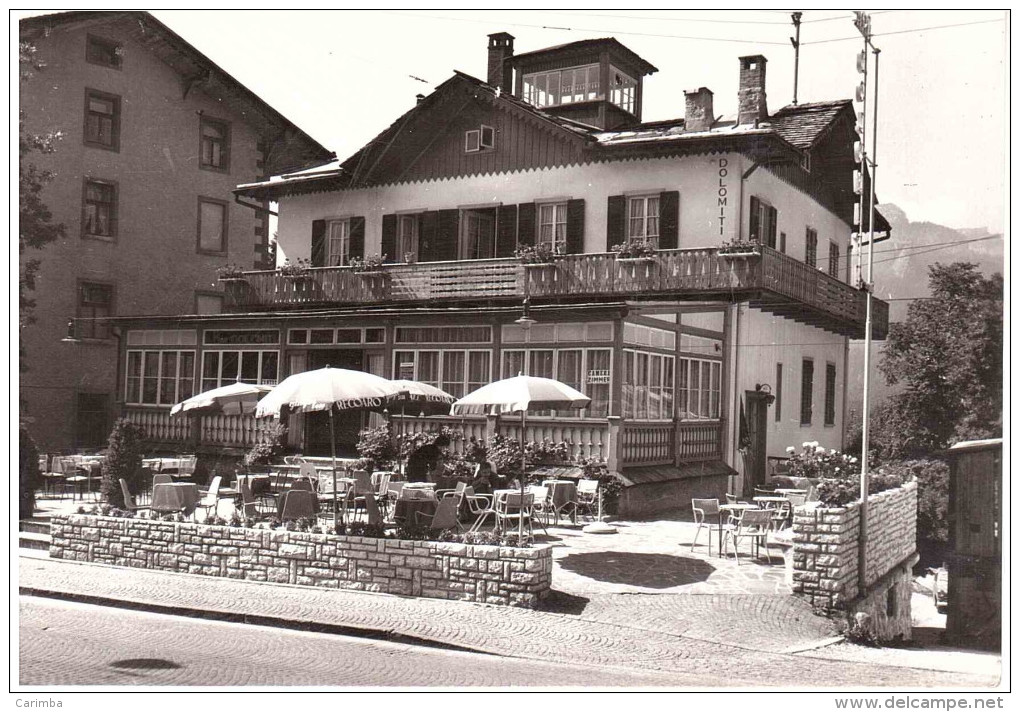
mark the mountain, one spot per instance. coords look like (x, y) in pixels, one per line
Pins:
(901, 272)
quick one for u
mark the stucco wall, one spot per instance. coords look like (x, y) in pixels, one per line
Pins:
(486, 574)
(153, 263)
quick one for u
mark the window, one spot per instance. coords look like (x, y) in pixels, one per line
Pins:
(562, 86)
(700, 389)
(407, 237)
(443, 334)
(643, 218)
(99, 218)
(457, 372)
(478, 233)
(481, 139)
(834, 260)
(622, 89)
(214, 152)
(807, 378)
(811, 247)
(159, 377)
(92, 422)
(587, 370)
(105, 53)
(95, 305)
(647, 385)
(763, 222)
(221, 368)
(778, 393)
(830, 394)
(212, 226)
(552, 226)
(102, 120)
(338, 243)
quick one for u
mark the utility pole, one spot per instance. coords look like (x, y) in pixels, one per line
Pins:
(863, 25)
(796, 52)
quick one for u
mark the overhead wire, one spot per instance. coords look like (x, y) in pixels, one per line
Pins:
(903, 32)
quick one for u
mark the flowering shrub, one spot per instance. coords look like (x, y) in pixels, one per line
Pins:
(634, 248)
(816, 462)
(298, 268)
(839, 481)
(535, 254)
(408, 443)
(372, 263)
(270, 439)
(376, 444)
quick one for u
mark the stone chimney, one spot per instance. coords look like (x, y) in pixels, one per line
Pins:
(698, 113)
(751, 95)
(501, 49)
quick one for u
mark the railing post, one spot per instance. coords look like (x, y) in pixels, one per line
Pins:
(674, 445)
(614, 456)
(491, 425)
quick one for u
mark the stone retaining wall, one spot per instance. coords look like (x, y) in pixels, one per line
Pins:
(485, 574)
(825, 557)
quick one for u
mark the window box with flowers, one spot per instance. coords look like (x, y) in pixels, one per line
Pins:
(371, 266)
(301, 269)
(739, 248)
(536, 256)
(635, 252)
(231, 272)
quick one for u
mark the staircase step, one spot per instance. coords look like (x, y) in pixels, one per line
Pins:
(35, 526)
(30, 540)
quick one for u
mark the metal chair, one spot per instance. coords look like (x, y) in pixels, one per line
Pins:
(444, 518)
(129, 500)
(588, 497)
(753, 524)
(211, 500)
(480, 506)
(249, 505)
(703, 510)
(297, 504)
(512, 508)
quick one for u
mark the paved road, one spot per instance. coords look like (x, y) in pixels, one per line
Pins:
(66, 643)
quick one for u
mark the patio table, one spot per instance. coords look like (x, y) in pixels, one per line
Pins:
(787, 490)
(730, 508)
(562, 494)
(159, 464)
(175, 497)
(405, 510)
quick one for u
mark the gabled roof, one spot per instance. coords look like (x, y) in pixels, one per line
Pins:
(602, 43)
(803, 124)
(184, 58)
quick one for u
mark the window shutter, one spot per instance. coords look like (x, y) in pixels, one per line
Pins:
(427, 236)
(773, 222)
(669, 220)
(389, 238)
(575, 226)
(616, 221)
(318, 243)
(358, 237)
(754, 230)
(445, 246)
(526, 224)
(506, 230)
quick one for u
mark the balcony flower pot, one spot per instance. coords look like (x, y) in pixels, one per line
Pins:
(739, 249)
(640, 260)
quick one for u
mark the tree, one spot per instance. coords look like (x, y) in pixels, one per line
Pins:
(948, 356)
(123, 462)
(35, 221)
(29, 477)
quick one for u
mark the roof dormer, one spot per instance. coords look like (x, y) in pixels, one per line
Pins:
(595, 82)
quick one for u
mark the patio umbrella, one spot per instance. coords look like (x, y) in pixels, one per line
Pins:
(420, 397)
(234, 399)
(519, 395)
(328, 389)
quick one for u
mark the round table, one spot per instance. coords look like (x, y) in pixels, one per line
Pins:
(405, 510)
(175, 497)
(562, 494)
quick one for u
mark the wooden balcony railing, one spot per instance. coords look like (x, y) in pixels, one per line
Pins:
(770, 280)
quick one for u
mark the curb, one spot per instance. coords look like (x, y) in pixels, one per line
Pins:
(260, 620)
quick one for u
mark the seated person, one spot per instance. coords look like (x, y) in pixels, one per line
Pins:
(425, 462)
(483, 479)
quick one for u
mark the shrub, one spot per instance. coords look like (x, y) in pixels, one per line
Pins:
(932, 495)
(610, 485)
(29, 477)
(376, 444)
(268, 446)
(123, 461)
(815, 461)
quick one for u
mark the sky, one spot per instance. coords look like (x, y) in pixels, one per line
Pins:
(344, 76)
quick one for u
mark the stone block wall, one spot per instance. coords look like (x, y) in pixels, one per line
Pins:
(825, 557)
(485, 574)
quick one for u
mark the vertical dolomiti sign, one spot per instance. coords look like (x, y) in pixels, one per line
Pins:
(722, 193)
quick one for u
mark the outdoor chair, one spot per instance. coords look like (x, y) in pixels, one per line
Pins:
(249, 506)
(306, 470)
(444, 518)
(541, 505)
(732, 499)
(796, 499)
(782, 515)
(161, 479)
(129, 500)
(302, 483)
(706, 515)
(512, 508)
(372, 510)
(211, 500)
(188, 465)
(458, 491)
(297, 504)
(382, 492)
(588, 497)
(754, 525)
(293, 459)
(480, 506)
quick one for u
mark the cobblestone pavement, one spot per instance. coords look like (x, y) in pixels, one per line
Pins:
(67, 644)
(517, 633)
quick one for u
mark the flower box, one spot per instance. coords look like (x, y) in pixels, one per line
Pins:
(729, 255)
(635, 260)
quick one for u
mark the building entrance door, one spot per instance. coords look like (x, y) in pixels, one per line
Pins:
(757, 431)
(346, 425)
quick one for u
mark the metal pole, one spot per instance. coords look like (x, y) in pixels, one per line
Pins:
(796, 54)
(520, 512)
(332, 448)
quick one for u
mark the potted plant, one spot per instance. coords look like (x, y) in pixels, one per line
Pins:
(371, 266)
(739, 248)
(535, 255)
(635, 251)
(295, 270)
(229, 272)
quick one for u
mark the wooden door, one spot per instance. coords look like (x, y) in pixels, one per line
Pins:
(757, 431)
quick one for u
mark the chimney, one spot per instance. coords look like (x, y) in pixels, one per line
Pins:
(501, 49)
(698, 113)
(751, 95)
(419, 98)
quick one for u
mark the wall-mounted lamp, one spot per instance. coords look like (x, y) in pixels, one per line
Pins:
(525, 321)
(72, 336)
(765, 391)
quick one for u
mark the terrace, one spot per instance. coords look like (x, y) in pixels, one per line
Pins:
(768, 279)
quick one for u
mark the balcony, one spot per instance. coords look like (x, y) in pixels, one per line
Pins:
(770, 281)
